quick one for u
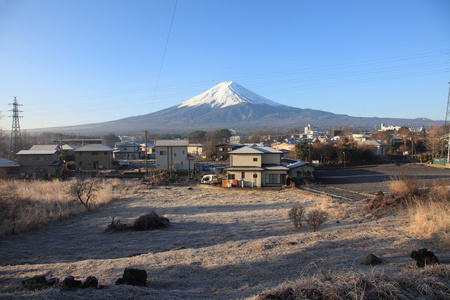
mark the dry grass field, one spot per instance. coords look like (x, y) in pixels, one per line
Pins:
(231, 243)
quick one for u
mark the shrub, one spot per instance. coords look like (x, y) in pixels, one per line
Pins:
(150, 221)
(404, 187)
(315, 218)
(296, 215)
(146, 222)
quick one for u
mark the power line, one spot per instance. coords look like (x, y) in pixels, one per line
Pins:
(164, 53)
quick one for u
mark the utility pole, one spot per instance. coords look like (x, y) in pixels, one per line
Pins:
(146, 159)
(16, 136)
(446, 119)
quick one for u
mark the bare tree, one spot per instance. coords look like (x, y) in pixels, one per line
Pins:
(315, 218)
(83, 189)
(433, 139)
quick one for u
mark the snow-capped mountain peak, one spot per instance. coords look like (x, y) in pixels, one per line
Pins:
(227, 94)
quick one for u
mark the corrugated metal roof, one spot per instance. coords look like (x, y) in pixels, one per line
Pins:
(173, 143)
(44, 147)
(40, 150)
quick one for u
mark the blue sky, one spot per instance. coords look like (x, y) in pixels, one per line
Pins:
(85, 61)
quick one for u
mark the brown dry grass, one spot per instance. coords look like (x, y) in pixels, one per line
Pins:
(25, 205)
(430, 283)
(223, 243)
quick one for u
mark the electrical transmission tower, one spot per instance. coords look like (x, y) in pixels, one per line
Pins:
(16, 136)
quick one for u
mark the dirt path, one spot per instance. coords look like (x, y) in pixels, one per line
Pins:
(222, 244)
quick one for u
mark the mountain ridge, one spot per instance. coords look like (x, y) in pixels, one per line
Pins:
(229, 105)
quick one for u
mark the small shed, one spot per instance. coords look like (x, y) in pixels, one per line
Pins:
(9, 168)
(300, 170)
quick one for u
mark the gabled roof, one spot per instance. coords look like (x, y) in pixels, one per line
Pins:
(171, 143)
(94, 147)
(256, 150)
(372, 143)
(40, 150)
(68, 147)
(297, 164)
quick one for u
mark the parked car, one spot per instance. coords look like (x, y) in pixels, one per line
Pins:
(124, 163)
(209, 179)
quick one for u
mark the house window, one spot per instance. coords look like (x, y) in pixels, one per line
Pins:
(220, 149)
(230, 149)
(231, 176)
(162, 152)
(93, 153)
(182, 152)
(174, 154)
(125, 149)
(255, 159)
(105, 153)
(272, 178)
(181, 163)
(255, 175)
(242, 175)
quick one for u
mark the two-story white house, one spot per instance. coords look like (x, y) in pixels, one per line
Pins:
(172, 155)
(257, 166)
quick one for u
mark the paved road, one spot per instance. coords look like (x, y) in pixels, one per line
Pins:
(360, 182)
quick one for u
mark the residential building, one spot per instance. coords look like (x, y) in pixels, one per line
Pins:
(257, 167)
(9, 168)
(299, 170)
(390, 127)
(93, 157)
(284, 146)
(40, 161)
(150, 149)
(195, 150)
(379, 148)
(80, 142)
(222, 150)
(237, 139)
(128, 151)
(172, 155)
(359, 137)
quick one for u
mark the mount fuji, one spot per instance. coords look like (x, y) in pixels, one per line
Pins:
(229, 105)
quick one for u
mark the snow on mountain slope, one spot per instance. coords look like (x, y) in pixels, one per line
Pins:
(227, 94)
